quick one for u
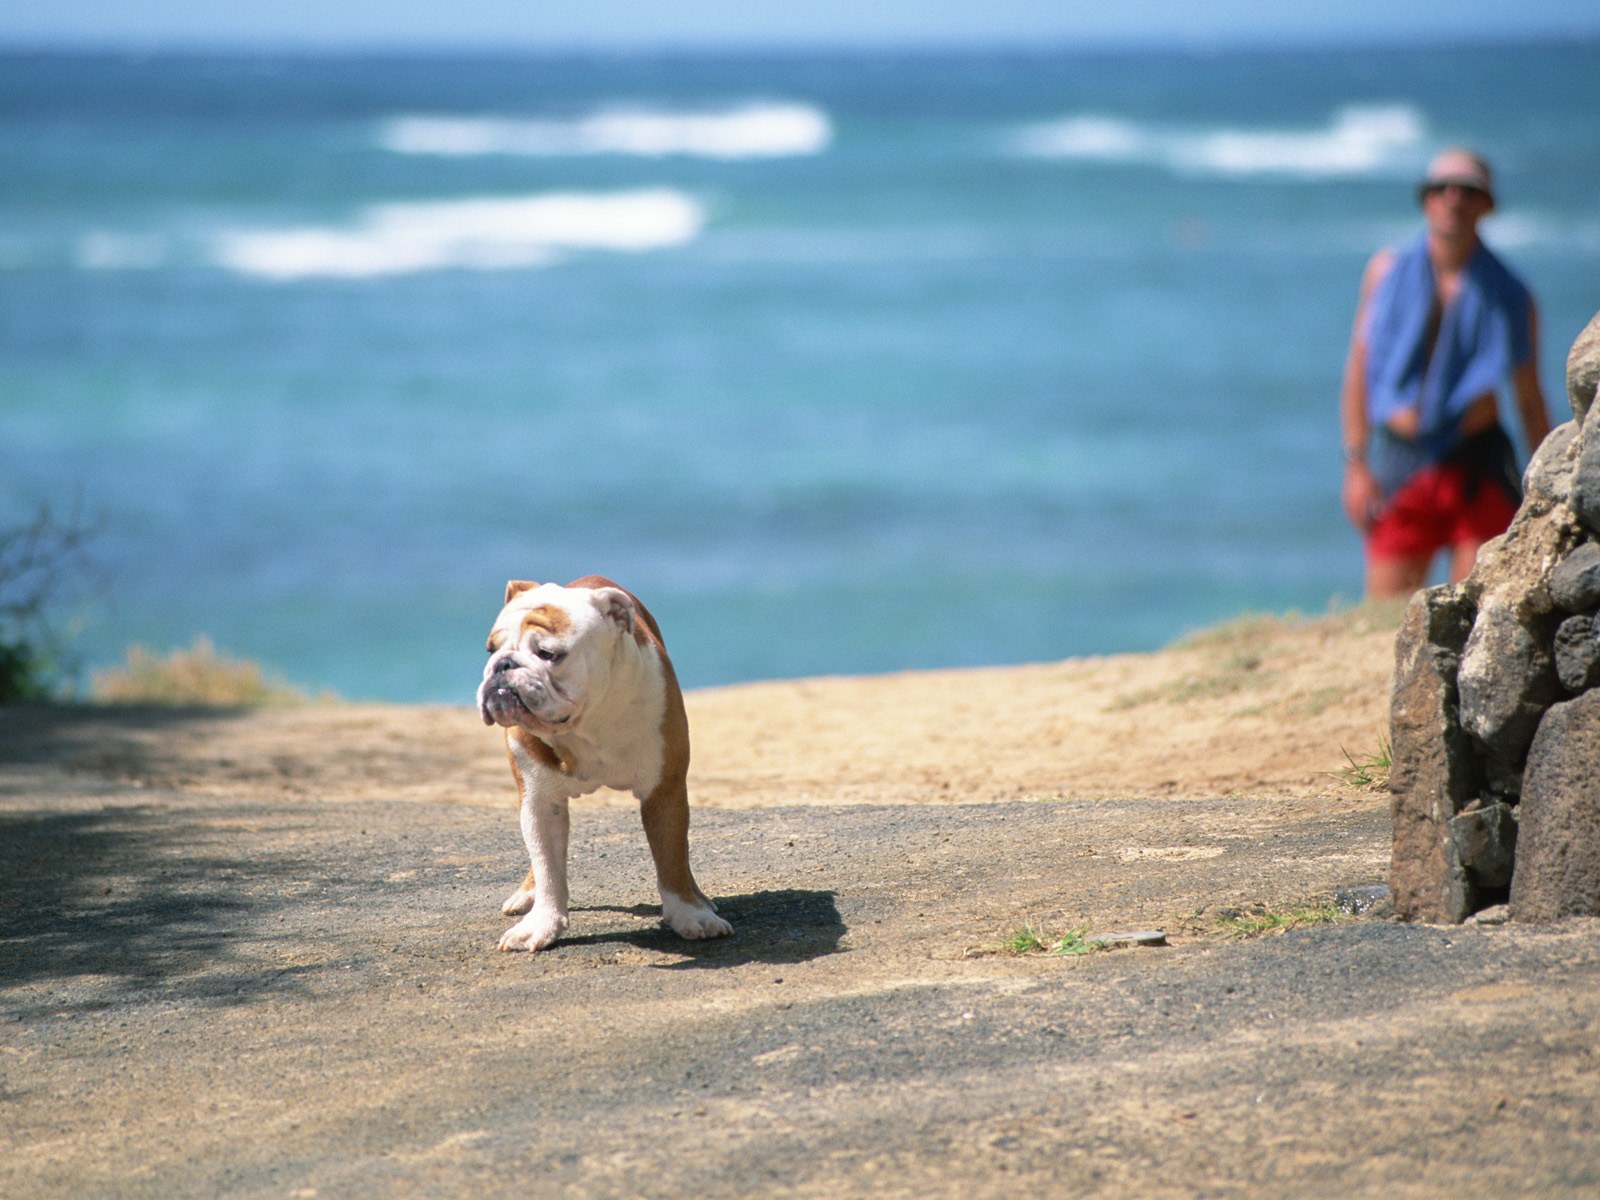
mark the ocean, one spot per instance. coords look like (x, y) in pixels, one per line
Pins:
(845, 363)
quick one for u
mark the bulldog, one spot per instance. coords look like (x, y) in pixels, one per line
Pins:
(579, 678)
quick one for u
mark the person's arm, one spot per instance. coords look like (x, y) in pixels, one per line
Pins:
(1361, 494)
(1530, 396)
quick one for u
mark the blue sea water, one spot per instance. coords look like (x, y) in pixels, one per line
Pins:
(844, 363)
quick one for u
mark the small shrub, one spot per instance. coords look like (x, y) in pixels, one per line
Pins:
(40, 561)
(199, 676)
(26, 675)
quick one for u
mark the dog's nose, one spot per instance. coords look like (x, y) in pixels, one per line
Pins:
(503, 664)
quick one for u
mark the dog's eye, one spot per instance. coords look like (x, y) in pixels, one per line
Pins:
(550, 656)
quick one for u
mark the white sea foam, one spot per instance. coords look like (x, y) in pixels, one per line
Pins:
(1102, 139)
(482, 234)
(751, 131)
(1359, 140)
(100, 251)
(1513, 229)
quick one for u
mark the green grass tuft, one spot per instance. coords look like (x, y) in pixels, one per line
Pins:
(1369, 772)
(1264, 921)
(1031, 939)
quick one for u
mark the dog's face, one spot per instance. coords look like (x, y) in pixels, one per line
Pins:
(550, 648)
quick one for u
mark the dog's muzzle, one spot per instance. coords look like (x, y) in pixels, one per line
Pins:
(514, 694)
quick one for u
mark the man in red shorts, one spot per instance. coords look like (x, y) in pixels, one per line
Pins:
(1440, 326)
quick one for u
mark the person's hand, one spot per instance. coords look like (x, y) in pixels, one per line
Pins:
(1363, 498)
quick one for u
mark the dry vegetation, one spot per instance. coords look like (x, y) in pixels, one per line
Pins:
(199, 677)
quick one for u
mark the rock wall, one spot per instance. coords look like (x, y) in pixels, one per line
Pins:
(1494, 716)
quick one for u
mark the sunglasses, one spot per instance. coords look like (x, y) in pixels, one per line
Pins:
(1466, 189)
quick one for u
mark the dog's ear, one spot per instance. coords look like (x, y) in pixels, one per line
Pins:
(516, 587)
(617, 605)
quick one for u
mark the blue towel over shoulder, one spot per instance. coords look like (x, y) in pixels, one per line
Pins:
(1483, 336)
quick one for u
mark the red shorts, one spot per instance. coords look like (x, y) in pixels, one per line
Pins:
(1432, 512)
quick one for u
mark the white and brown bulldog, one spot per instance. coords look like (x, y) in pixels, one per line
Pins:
(580, 679)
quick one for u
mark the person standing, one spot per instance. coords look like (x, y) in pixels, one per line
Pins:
(1441, 324)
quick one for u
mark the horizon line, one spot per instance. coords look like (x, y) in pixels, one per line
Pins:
(408, 47)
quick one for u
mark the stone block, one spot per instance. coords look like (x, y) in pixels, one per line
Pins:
(1577, 653)
(1548, 478)
(1558, 846)
(1583, 368)
(1515, 567)
(1434, 772)
(1575, 583)
(1507, 679)
(1585, 497)
(1485, 844)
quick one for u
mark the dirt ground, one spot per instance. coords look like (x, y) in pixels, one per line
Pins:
(252, 954)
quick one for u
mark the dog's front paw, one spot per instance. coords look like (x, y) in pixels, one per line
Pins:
(535, 931)
(693, 921)
(519, 902)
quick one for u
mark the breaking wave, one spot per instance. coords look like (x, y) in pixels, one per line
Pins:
(1358, 140)
(752, 131)
(475, 234)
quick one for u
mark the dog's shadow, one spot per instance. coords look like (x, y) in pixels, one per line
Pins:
(786, 926)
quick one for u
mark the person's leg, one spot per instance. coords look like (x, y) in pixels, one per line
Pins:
(1463, 556)
(1388, 577)
(1407, 535)
(1481, 513)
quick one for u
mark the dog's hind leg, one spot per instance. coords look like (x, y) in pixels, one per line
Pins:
(684, 907)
